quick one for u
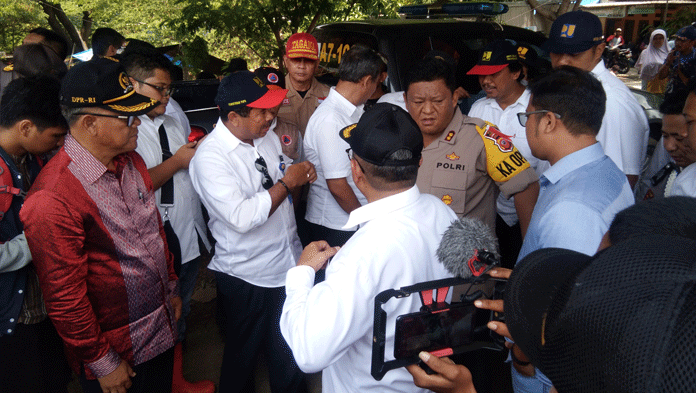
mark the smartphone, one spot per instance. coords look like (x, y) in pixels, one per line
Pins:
(445, 330)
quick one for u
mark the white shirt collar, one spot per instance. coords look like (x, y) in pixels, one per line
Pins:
(382, 207)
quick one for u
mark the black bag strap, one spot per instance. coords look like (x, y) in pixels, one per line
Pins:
(167, 190)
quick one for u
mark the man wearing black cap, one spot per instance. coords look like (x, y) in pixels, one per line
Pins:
(576, 40)
(98, 244)
(329, 326)
(500, 75)
(245, 182)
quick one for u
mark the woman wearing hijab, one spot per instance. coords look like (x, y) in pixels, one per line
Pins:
(652, 58)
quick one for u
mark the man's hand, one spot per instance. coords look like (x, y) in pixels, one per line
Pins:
(501, 328)
(316, 254)
(450, 377)
(176, 305)
(300, 174)
(119, 380)
(185, 153)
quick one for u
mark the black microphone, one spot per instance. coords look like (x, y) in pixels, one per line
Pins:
(468, 248)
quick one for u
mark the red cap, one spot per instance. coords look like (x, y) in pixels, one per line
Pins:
(486, 69)
(271, 99)
(302, 45)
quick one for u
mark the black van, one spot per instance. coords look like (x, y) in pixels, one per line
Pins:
(405, 41)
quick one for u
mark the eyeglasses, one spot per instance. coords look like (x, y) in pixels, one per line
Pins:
(165, 91)
(349, 151)
(129, 119)
(523, 116)
(261, 166)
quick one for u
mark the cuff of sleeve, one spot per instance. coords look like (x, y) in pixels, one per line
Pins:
(106, 365)
(518, 183)
(299, 277)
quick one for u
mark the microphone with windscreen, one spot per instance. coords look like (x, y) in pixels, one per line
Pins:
(468, 248)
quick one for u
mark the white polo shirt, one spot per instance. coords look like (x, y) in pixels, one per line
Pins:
(250, 245)
(489, 110)
(324, 148)
(625, 131)
(186, 215)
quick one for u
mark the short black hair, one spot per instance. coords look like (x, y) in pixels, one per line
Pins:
(430, 70)
(674, 103)
(517, 67)
(55, 40)
(675, 216)
(32, 98)
(34, 59)
(389, 177)
(104, 37)
(236, 64)
(141, 63)
(242, 111)
(574, 94)
(359, 62)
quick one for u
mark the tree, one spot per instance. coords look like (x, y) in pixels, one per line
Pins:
(263, 26)
(547, 12)
(15, 15)
(60, 23)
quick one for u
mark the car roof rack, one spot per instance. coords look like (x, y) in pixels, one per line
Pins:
(452, 10)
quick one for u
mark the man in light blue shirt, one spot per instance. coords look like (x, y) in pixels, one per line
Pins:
(582, 190)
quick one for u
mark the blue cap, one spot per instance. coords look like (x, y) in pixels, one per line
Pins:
(688, 32)
(574, 32)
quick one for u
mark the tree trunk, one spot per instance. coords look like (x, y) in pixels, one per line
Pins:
(86, 30)
(60, 23)
(565, 6)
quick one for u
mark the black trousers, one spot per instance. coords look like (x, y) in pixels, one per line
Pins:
(32, 360)
(334, 237)
(153, 376)
(253, 325)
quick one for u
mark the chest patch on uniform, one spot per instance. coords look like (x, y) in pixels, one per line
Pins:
(501, 140)
(447, 199)
(449, 136)
(286, 101)
(286, 139)
(452, 157)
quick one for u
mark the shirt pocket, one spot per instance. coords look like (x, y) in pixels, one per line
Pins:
(450, 185)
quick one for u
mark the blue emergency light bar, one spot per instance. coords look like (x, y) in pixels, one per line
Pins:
(454, 9)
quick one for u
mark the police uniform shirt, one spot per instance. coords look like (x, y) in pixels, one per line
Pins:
(470, 164)
(489, 110)
(298, 110)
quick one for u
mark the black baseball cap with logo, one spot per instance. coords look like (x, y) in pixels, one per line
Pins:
(494, 57)
(382, 130)
(574, 32)
(244, 88)
(104, 84)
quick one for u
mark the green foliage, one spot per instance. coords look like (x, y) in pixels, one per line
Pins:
(15, 15)
(684, 17)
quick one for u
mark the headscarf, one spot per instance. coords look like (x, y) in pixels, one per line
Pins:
(652, 58)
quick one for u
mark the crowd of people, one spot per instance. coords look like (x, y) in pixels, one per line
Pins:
(311, 205)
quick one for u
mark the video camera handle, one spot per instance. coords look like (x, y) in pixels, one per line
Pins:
(379, 367)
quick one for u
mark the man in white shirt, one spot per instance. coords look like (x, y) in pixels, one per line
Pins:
(177, 201)
(685, 184)
(245, 182)
(334, 195)
(500, 74)
(329, 326)
(576, 40)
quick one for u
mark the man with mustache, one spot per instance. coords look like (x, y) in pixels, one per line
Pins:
(245, 182)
